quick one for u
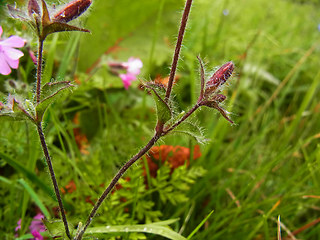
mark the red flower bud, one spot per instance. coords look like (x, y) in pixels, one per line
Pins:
(72, 11)
(219, 77)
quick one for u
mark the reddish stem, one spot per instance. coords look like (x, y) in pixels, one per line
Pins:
(178, 48)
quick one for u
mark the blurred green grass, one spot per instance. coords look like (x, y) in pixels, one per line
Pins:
(264, 166)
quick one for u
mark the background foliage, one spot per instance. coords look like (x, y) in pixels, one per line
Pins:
(264, 166)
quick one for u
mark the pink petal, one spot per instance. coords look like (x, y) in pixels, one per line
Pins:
(33, 57)
(19, 222)
(38, 216)
(37, 235)
(13, 41)
(134, 65)
(4, 67)
(12, 62)
(12, 53)
(1, 31)
(127, 79)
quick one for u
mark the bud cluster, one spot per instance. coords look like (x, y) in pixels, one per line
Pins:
(40, 17)
(210, 94)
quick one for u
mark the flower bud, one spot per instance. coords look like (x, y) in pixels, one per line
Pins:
(219, 77)
(33, 7)
(72, 11)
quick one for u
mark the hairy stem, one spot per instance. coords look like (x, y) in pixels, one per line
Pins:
(114, 181)
(178, 47)
(43, 141)
(39, 69)
(53, 178)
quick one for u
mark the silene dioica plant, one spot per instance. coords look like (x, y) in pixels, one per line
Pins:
(45, 22)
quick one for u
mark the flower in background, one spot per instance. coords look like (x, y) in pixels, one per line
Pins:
(33, 57)
(319, 27)
(225, 12)
(127, 79)
(37, 235)
(132, 67)
(35, 227)
(18, 225)
(174, 156)
(9, 56)
(36, 224)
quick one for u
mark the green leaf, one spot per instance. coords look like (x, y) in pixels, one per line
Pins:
(61, 27)
(28, 174)
(153, 228)
(35, 197)
(16, 110)
(16, 13)
(164, 113)
(49, 93)
(192, 129)
(55, 227)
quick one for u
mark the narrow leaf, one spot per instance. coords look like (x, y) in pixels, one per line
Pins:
(146, 228)
(61, 27)
(35, 197)
(200, 225)
(202, 78)
(164, 113)
(28, 174)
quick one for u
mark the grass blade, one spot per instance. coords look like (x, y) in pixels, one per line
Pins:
(200, 225)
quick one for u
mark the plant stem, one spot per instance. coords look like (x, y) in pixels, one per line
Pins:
(114, 181)
(53, 178)
(178, 47)
(43, 141)
(39, 69)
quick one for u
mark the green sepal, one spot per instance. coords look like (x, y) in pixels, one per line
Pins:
(16, 13)
(49, 93)
(55, 227)
(59, 27)
(18, 110)
(45, 14)
(164, 112)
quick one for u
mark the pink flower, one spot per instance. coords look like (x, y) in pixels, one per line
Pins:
(35, 227)
(37, 235)
(36, 224)
(18, 225)
(9, 56)
(33, 57)
(132, 68)
(127, 79)
(133, 65)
